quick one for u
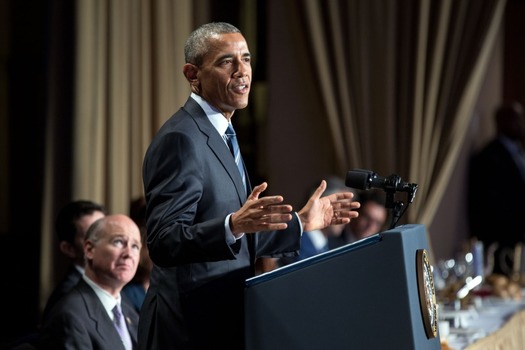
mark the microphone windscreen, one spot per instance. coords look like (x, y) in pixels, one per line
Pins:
(358, 179)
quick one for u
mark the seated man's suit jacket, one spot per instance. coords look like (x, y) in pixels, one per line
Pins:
(79, 321)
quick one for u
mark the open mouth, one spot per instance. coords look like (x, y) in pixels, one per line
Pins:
(242, 88)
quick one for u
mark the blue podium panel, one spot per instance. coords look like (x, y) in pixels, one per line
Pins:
(364, 295)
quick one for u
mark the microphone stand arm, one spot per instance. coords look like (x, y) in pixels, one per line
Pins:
(398, 207)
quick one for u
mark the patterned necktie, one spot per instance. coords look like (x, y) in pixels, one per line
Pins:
(120, 325)
(231, 139)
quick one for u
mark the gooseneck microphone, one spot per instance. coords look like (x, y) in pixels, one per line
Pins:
(365, 179)
(362, 179)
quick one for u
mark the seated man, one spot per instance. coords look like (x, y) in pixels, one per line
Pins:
(93, 315)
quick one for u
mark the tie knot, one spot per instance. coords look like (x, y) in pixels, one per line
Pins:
(117, 313)
(230, 131)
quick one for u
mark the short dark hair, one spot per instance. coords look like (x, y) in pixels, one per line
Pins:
(65, 223)
(196, 45)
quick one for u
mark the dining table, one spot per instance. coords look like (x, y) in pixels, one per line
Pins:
(489, 323)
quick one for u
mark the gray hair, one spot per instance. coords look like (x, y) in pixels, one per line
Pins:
(197, 46)
(94, 231)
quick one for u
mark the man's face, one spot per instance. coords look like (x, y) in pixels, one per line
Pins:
(225, 75)
(115, 256)
(371, 218)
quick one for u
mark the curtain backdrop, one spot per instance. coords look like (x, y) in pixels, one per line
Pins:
(399, 81)
(128, 81)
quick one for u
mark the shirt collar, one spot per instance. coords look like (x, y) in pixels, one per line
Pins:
(218, 120)
(107, 300)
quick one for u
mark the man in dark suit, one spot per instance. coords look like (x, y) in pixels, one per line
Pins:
(71, 225)
(497, 187)
(202, 213)
(93, 315)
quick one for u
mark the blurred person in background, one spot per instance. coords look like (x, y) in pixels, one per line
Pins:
(71, 225)
(496, 182)
(371, 220)
(316, 241)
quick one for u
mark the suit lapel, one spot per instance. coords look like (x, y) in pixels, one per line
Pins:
(218, 147)
(100, 318)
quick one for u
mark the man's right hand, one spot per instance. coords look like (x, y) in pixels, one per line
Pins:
(261, 214)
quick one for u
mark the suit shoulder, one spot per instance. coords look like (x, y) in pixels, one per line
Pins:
(184, 117)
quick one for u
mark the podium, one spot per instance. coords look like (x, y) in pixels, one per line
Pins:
(376, 293)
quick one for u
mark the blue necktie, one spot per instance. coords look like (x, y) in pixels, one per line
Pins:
(231, 139)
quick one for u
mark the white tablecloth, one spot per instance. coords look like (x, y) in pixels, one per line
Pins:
(494, 324)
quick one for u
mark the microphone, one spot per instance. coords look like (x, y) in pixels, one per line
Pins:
(365, 179)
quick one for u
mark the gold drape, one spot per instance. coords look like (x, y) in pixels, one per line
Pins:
(509, 337)
(399, 81)
(128, 81)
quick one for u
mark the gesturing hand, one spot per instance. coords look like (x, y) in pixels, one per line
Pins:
(335, 209)
(261, 214)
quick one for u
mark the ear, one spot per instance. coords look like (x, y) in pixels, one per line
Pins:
(67, 249)
(88, 250)
(191, 71)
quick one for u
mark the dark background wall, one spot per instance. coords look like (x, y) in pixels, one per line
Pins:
(26, 41)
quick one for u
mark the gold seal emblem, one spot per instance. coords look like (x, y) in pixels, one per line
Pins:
(427, 293)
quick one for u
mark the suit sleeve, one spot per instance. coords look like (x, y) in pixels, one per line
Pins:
(65, 330)
(183, 227)
(278, 244)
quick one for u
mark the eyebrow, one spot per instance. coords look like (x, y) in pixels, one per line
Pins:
(229, 55)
